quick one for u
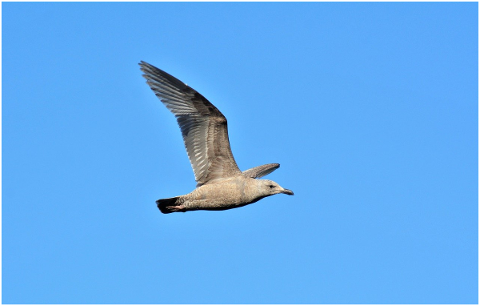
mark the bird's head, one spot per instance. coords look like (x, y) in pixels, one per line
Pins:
(268, 187)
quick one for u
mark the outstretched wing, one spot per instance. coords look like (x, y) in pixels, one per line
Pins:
(204, 128)
(260, 171)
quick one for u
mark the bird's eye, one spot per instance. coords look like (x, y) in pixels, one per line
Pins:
(271, 186)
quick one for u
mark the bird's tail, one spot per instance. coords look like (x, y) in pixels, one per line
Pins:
(169, 205)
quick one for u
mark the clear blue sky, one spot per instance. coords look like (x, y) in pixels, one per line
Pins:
(370, 108)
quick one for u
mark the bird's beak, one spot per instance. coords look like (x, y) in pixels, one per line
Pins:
(287, 191)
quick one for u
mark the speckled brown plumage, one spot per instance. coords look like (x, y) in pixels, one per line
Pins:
(220, 183)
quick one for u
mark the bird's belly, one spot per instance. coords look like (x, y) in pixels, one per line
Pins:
(219, 196)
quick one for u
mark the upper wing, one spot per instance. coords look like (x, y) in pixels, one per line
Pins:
(260, 171)
(204, 128)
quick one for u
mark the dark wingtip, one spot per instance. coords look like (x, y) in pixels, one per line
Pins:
(142, 64)
(158, 75)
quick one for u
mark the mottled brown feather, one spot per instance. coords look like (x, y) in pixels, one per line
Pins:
(204, 127)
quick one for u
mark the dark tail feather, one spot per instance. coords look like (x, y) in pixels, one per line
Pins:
(169, 205)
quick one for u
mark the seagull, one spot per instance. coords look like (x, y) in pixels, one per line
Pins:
(220, 183)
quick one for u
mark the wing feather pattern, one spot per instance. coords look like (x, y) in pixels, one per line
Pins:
(204, 128)
(260, 171)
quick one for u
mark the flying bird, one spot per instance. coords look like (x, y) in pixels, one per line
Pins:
(220, 183)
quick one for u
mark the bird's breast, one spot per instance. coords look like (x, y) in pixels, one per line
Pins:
(224, 194)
